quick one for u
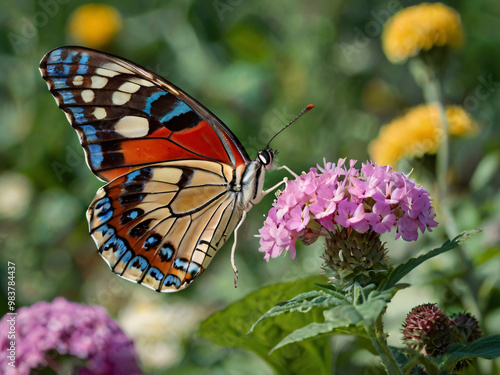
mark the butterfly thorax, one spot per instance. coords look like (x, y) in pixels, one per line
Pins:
(252, 180)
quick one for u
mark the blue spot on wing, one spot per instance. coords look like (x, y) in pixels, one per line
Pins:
(172, 280)
(181, 264)
(105, 216)
(155, 273)
(58, 70)
(96, 155)
(60, 83)
(107, 231)
(58, 66)
(142, 174)
(152, 241)
(180, 108)
(152, 99)
(194, 269)
(105, 210)
(83, 67)
(69, 58)
(132, 175)
(166, 252)
(116, 244)
(127, 256)
(138, 262)
(55, 56)
(77, 113)
(90, 132)
(104, 202)
(68, 97)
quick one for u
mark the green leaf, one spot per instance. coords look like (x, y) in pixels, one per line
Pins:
(229, 327)
(399, 355)
(485, 347)
(301, 303)
(340, 319)
(374, 305)
(331, 289)
(346, 318)
(403, 269)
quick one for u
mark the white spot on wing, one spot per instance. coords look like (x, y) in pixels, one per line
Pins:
(129, 87)
(141, 82)
(87, 95)
(98, 82)
(120, 98)
(132, 126)
(116, 68)
(106, 72)
(99, 113)
(78, 80)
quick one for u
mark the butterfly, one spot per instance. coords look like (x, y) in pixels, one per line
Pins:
(179, 182)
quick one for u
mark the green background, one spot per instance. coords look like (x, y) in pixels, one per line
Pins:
(255, 64)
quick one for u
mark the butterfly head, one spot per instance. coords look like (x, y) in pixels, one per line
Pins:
(266, 157)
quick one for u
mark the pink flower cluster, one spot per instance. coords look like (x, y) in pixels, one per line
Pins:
(375, 198)
(87, 332)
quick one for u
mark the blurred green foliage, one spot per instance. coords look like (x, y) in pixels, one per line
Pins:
(256, 65)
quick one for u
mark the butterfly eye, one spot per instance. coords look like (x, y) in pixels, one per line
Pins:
(266, 157)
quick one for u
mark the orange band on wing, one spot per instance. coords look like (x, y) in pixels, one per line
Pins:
(204, 140)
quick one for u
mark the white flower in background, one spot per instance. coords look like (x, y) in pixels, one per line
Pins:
(15, 195)
(158, 329)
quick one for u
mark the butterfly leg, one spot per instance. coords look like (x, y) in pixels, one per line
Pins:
(287, 169)
(233, 250)
(265, 192)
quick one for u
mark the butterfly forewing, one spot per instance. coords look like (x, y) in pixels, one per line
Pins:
(127, 117)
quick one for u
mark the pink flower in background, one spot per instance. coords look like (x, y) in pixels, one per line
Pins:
(86, 332)
(326, 199)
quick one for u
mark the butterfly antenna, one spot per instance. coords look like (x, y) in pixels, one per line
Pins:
(304, 111)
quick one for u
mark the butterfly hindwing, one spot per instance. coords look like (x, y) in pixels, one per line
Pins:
(127, 117)
(162, 224)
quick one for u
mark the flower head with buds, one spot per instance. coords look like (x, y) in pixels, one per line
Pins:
(350, 207)
(321, 202)
(430, 331)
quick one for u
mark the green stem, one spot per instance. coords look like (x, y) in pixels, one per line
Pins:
(426, 78)
(378, 338)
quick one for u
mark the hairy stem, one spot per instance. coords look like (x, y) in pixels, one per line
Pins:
(378, 338)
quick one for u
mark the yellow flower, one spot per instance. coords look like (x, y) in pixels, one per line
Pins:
(95, 25)
(421, 27)
(460, 122)
(418, 132)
